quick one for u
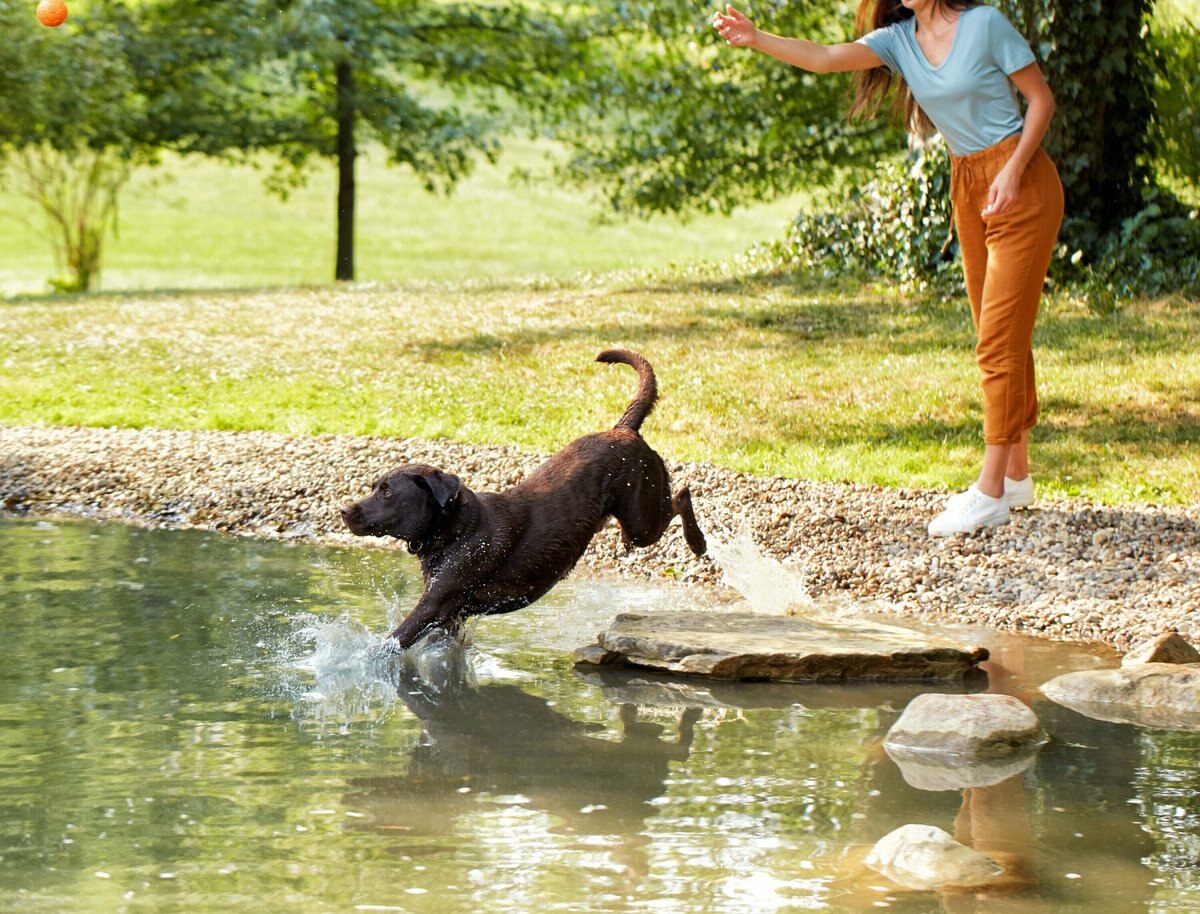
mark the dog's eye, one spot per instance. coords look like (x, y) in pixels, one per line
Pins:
(384, 492)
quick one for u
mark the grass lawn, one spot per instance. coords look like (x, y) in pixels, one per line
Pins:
(196, 223)
(858, 383)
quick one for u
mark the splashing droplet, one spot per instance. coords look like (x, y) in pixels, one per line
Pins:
(769, 586)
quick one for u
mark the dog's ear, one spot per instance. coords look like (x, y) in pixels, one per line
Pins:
(444, 486)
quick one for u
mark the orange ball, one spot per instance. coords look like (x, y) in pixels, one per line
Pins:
(52, 13)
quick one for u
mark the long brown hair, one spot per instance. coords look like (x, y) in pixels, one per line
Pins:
(871, 87)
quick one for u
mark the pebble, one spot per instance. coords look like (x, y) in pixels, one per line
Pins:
(1067, 569)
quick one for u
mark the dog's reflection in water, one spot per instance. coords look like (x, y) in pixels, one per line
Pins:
(487, 746)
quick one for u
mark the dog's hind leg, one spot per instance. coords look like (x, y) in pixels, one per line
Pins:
(644, 506)
(681, 503)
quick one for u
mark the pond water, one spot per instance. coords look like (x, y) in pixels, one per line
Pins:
(198, 723)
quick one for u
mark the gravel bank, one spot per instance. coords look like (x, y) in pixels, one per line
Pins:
(1066, 569)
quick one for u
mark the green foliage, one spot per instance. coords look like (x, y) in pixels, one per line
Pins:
(1122, 236)
(896, 225)
(431, 80)
(77, 194)
(1152, 252)
(68, 130)
(673, 120)
(1099, 62)
(435, 84)
(1177, 97)
(72, 87)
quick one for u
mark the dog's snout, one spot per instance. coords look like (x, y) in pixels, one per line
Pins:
(351, 513)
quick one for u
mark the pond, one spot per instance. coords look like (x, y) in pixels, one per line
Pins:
(200, 723)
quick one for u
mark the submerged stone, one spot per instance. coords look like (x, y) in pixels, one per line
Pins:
(925, 857)
(740, 645)
(1165, 696)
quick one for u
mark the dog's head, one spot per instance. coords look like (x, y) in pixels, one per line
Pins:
(412, 503)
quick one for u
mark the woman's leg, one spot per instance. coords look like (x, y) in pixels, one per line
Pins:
(994, 469)
(1018, 458)
(1004, 263)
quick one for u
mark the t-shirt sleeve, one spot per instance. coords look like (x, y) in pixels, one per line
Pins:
(1010, 50)
(883, 43)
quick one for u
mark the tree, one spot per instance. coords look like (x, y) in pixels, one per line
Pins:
(65, 131)
(436, 84)
(672, 120)
(1101, 64)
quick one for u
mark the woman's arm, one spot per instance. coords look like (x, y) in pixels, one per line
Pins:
(1039, 111)
(740, 32)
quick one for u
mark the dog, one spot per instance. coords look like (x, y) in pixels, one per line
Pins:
(487, 553)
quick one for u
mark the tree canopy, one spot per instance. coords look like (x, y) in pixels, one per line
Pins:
(650, 105)
(435, 84)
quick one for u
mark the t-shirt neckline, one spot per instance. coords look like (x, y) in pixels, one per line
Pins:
(912, 34)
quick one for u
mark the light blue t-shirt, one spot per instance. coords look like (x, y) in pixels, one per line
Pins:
(969, 98)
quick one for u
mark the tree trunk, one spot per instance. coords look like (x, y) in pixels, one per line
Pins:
(346, 153)
(1102, 72)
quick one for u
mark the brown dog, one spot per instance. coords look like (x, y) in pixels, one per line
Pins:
(485, 553)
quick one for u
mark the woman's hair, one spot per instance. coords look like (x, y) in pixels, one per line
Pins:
(871, 87)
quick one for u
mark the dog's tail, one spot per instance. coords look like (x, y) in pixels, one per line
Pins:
(647, 394)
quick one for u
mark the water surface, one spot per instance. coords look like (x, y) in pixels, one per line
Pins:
(199, 723)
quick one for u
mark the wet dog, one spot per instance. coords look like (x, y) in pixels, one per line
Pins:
(486, 553)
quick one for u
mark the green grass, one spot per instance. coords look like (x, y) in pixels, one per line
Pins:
(197, 223)
(843, 384)
(858, 383)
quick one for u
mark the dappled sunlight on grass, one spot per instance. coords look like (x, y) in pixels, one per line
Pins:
(856, 384)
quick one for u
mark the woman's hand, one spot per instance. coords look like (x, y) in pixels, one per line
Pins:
(735, 28)
(1004, 190)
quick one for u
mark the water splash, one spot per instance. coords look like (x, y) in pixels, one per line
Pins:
(349, 672)
(769, 586)
(339, 672)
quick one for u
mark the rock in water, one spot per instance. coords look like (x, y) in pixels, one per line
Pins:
(731, 645)
(924, 857)
(1166, 648)
(946, 742)
(1162, 695)
(974, 726)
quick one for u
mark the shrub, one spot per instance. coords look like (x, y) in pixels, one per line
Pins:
(896, 227)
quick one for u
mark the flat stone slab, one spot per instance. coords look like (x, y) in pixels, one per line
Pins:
(623, 684)
(747, 646)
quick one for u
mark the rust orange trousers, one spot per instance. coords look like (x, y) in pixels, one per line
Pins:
(1005, 258)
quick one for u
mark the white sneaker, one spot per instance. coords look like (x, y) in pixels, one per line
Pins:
(969, 511)
(1019, 492)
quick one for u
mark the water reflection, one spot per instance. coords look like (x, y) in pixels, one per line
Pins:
(498, 745)
(1048, 872)
(194, 723)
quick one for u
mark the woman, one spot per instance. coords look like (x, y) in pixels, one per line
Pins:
(958, 63)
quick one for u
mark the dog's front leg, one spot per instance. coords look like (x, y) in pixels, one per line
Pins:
(436, 609)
